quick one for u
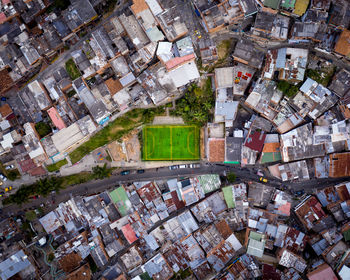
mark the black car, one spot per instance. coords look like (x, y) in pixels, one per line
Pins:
(125, 172)
(140, 171)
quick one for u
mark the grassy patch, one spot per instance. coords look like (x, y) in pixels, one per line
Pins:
(170, 142)
(72, 69)
(115, 130)
(323, 76)
(224, 49)
(30, 216)
(43, 129)
(75, 179)
(288, 89)
(71, 93)
(56, 166)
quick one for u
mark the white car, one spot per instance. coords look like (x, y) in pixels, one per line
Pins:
(3, 177)
(9, 167)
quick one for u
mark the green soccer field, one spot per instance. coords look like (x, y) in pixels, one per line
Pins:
(170, 142)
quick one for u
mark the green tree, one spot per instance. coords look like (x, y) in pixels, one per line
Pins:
(231, 177)
(13, 174)
(43, 129)
(101, 172)
(50, 257)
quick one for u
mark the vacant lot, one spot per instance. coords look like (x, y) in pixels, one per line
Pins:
(56, 166)
(72, 69)
(170, 142)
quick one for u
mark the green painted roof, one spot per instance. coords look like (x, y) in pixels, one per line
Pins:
(209, 182)
(347, 235)
(255, 235)
(121, 200)
(228, 195)
(271, 157)
(287, 4)
(274, 4)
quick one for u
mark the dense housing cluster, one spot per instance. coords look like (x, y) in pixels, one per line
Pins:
(269, 78)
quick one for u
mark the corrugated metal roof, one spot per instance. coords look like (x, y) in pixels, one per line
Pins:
(14, 264)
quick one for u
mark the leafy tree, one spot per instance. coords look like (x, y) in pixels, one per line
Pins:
(50, 257)
(231, 177)
(43, 129)
(101, 172)
(196, 104)
(13, 174)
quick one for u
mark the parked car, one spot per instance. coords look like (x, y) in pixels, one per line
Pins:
(140, 171)
(1, 182)
(182, 166)
(11, 166)
(3, 177)
(7, 189)
(262, 179)
(125, 172)
(299, 193)
(173, 167)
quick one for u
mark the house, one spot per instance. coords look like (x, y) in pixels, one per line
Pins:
(339, 165)
(147, 20)
(169, 18)
(70, 137)
(249, 7)
(216, 149)
(96, 107)
(324, 271)
(216, 16)
(265, 99)
(340, 84)
(297, 170)
(343, 46)
(305, 30)
(289, 259)
(134, 31)
(271, 151)
(298, 144)
(233, 147)
(270, 26)
(311, 215)
(339, 14)
(259, 195)
(289, 62)
(226, 111)
(208, 52)
(158, 268)
(78, 14)
(246, 53)
(18, 264)
(56, 118)
(314, 99)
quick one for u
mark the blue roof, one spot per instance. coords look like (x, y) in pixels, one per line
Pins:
(307, 85)
(281, 58)
(13, 265)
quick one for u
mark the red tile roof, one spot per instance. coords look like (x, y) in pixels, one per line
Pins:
(129, 233)
(172, 63)
(2, 18)
(323, 272)
(216, 150)
(56, 118)
(255, 141)
(26, 165)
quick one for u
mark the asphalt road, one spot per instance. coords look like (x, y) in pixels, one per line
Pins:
(97, 186)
